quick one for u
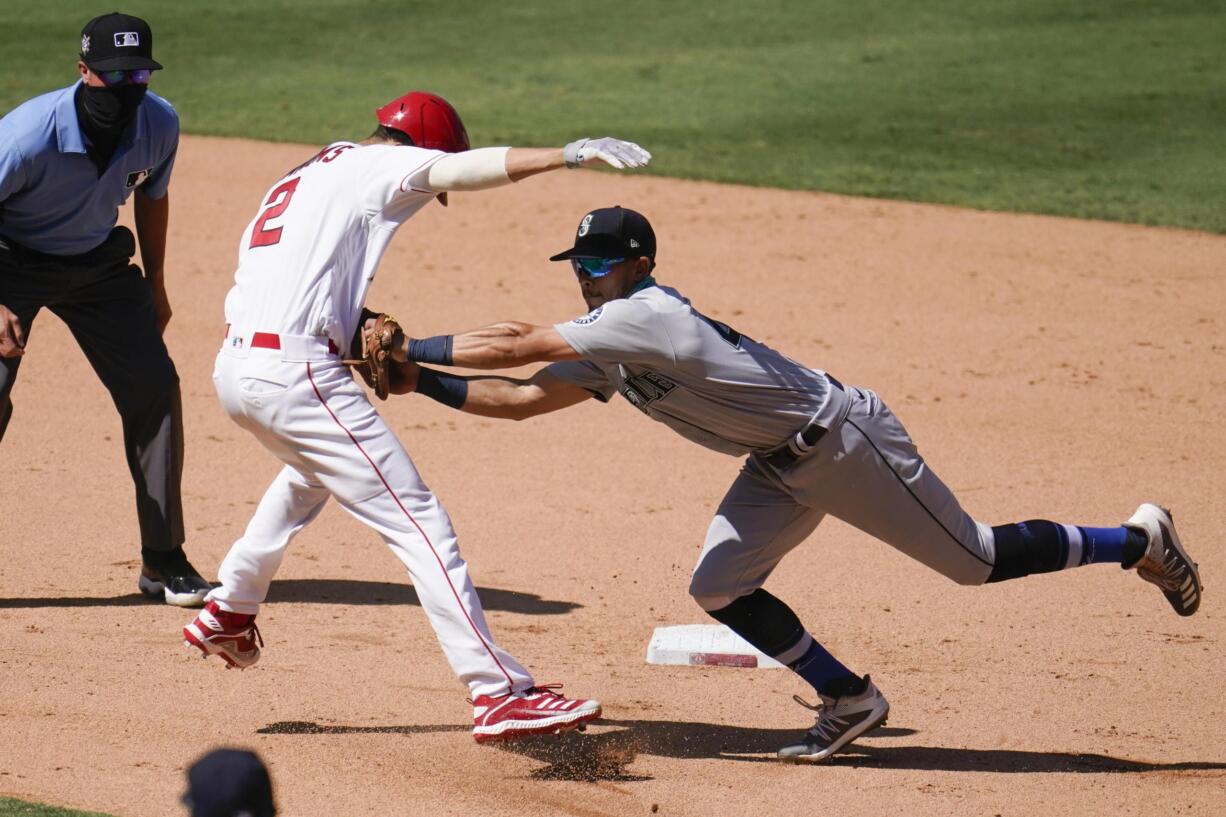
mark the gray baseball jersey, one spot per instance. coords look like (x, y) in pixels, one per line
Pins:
(701, 377)
(732, 394)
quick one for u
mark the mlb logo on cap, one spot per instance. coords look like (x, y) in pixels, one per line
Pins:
(118, 42)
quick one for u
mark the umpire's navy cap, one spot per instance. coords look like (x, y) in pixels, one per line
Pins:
(612, 232)
(117, 42)
(229, 783)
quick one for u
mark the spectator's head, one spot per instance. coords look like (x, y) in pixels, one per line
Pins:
(229, 783)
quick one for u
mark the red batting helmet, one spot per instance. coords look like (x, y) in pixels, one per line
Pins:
(429, 120)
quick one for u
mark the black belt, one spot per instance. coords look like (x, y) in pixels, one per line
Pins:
(800, 443)
(796, 446)
(119, 245)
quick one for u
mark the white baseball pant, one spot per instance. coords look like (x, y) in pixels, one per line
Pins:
(303, 405)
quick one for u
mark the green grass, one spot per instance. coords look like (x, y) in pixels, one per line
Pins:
(1097, 108)
(19, 808)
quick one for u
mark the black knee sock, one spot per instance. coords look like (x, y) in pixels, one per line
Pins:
(772, 627)
(1040, 546)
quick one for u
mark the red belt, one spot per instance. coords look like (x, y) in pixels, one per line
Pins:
(269, 340)
(266, 340)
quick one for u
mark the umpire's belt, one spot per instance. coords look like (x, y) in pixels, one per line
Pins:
(119, 247)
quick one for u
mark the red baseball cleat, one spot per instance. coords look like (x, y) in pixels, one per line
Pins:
(233, 636)
(535, 711)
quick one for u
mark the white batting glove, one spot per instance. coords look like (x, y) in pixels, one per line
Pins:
(613, 152)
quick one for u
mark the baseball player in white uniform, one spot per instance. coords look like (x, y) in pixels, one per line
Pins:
(814, 447)
(305, 263)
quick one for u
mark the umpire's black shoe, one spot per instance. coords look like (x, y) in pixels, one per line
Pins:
(839, 721)
(171, 578)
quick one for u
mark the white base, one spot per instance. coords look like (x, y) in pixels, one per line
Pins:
(705, 645)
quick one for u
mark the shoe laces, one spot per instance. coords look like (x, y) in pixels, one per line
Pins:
(251, 627)
(544, 689)
(828, 724)
(1167, 574)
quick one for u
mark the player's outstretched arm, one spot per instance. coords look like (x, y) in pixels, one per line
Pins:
(506, 398)
(490, 167)
(498, 346)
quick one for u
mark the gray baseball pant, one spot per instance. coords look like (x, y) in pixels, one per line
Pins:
(865, 471)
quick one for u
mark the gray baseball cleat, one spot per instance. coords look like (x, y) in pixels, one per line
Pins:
(839, 722)
(1165, 562)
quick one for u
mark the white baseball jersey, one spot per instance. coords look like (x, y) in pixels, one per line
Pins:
(308, 257)
(305, 264)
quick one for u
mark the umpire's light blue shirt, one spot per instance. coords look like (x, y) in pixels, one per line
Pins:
(51, 196)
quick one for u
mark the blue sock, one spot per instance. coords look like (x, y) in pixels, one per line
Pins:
(823, 671)
(1040, 546)
(1099, 545)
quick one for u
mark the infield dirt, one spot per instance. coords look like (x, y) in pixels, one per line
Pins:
(1046, 367)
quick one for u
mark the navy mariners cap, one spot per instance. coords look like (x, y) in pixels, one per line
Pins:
(229, 783)
(612, 232)
(117, 42)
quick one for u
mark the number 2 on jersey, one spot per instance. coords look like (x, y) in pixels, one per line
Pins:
(263, 235)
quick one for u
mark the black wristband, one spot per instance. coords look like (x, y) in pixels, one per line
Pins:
(431, 350)
(448, 389)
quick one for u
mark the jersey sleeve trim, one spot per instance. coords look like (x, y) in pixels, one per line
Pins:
(411, 184)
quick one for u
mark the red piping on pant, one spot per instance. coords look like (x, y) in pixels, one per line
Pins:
(476, 632)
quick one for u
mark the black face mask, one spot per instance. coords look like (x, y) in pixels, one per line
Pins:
(109, 110)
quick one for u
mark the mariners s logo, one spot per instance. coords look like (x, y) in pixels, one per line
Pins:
(584, 320)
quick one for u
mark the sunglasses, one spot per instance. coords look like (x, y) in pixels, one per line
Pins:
(594, 267)
(134, 76)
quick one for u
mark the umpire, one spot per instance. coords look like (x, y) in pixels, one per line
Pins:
(68, 160)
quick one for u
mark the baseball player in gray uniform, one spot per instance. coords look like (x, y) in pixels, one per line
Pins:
(814, 446)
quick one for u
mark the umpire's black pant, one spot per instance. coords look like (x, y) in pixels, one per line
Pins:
(108, 306)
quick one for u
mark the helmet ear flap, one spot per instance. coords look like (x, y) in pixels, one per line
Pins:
(428, 119)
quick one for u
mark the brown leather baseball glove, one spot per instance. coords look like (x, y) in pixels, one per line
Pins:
(370, 352)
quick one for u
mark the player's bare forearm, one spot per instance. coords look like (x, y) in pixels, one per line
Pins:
(482, 168)
(498, 346)
(508, 344)
(505, 398)
(525, 162)
(513, 399)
